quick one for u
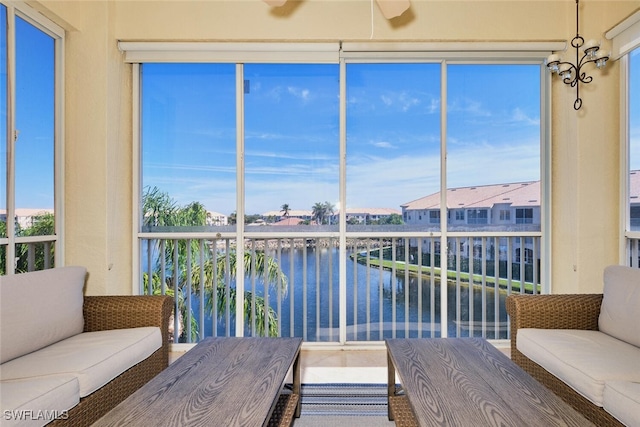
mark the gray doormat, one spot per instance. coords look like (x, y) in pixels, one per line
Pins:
(354, 400)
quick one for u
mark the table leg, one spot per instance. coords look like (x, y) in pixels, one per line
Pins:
(391, 384)
(296, 384)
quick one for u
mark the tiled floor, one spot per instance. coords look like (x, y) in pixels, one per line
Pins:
(342, 366)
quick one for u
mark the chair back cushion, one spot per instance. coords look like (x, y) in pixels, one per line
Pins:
(620, 311)
(39, 308)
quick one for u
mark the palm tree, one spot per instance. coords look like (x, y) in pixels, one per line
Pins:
(285, 210)
(322, 211)
(156, 286)
(329, 209)
(193, 214)
(158, 209)
(318, 212)
(264, 267)
(162, 210)
(233, 218)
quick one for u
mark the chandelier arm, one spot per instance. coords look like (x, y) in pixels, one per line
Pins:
(582, 76)
(571, 81)
(586, 59)
(573, 73)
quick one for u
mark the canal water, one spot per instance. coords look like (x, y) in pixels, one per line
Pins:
(379, 304)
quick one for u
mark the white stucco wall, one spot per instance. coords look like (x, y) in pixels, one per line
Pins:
(98, 107)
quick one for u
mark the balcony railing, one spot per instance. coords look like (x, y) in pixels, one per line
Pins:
(30, 254)
(378, 287)
(633, 251)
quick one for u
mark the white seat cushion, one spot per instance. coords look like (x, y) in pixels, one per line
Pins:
(619, 314)
(622, 400)
(584, 360)
(35, 402)
(95, 358)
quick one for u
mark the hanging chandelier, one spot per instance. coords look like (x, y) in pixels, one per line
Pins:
(573, 74)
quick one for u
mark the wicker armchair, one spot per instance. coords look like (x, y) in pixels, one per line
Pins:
(119, 312)
(579, 311)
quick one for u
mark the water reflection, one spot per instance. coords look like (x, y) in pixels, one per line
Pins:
(379, 304)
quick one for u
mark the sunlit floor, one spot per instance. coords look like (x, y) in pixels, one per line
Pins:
(342, 366)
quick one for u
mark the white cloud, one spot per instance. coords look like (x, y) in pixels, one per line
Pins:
(468, 107)
(520, 116)
(302, 94)
(434, 106)
(383, 144)
(402, 100)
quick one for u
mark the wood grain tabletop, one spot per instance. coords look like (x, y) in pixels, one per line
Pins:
(468, 382)
(221, 381)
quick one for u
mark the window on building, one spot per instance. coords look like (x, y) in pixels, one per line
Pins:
(477, 216)
(434, 217)
(28, 160)
(459, 215)
(524, 216)
(505, 215)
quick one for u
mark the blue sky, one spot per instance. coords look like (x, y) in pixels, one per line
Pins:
(34, 115)
(292, 132)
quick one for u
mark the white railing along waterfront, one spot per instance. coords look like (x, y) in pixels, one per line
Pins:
(633, 251)
(391, 286)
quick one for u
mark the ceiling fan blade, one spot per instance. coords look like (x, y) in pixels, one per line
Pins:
(392, 8)
(275, 3)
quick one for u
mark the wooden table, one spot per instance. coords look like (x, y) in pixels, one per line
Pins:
(221, 381)
(467, 382)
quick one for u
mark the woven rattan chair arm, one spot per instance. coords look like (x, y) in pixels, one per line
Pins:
(569, 311)
(127, 311)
